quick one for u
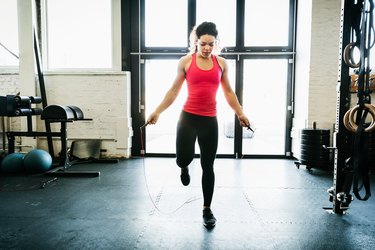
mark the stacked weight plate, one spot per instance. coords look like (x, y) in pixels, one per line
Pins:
(313, 154)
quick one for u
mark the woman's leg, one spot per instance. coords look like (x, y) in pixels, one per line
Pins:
(185, 140)
(208, 142)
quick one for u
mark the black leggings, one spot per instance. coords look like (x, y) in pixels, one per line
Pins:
(204, 128)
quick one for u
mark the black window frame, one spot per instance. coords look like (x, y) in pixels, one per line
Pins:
(135, 37)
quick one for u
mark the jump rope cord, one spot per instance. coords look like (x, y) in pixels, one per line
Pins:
(190, 200)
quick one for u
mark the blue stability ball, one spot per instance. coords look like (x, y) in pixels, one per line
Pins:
(12, 163)
(37, 161)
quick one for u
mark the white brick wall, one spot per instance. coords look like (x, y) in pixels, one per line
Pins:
(325, 38)
(9, 85)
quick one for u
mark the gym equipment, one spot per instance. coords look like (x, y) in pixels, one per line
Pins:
(314, 152)
(16, 105)
(52, 114)
(59, 112)
(62, 115)
(350, 147)
(350, 123)
(349, 54)
(37, 161)
(13, 163)
(87, 151)
(43, 94)
(369, 140)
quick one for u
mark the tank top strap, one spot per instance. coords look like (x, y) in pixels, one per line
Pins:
(216, 62)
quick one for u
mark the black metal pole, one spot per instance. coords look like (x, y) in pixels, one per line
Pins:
(341, 135)
(43, 93)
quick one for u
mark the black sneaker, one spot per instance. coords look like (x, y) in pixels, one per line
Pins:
(185, 177)
(209, 219)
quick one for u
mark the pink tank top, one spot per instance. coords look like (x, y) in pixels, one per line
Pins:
(202, 86)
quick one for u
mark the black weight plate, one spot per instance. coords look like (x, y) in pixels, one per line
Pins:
(313, 146)
(315, 132)
(312, 137)
(315, 152)
(314, 141)
(314, 157)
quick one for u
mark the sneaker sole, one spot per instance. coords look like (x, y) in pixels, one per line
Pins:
(209, 225)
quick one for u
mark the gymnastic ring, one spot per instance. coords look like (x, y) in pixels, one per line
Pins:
(347, 123)
(371, 109)
(348, 56)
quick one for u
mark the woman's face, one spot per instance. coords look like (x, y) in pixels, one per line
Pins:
(205, 45)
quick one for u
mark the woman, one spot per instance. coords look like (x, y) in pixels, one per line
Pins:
(203, 71)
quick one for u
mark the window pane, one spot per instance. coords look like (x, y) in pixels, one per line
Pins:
(271, 94)
(266, 23)
(79, 34)
(8, 33)
(223, 13)
(166, 23)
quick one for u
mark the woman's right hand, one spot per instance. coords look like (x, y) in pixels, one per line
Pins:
(153, 118)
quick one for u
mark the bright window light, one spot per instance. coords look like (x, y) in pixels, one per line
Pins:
(269, 136)
(166, 23)
(79, 34)
(266, 23)
(223, 14)
(8, 33)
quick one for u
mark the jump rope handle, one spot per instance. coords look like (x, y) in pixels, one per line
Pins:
(144, 125)
(249, 128)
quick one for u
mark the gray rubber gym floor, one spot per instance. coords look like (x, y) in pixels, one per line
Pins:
(259, 204)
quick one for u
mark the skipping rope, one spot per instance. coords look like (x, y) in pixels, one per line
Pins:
(154, 203)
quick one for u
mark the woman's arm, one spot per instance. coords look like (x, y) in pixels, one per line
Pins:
(230, 96)
(171, 94)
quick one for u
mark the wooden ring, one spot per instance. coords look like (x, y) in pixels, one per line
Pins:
(347, 123)
(348, 56)
(370, 108)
